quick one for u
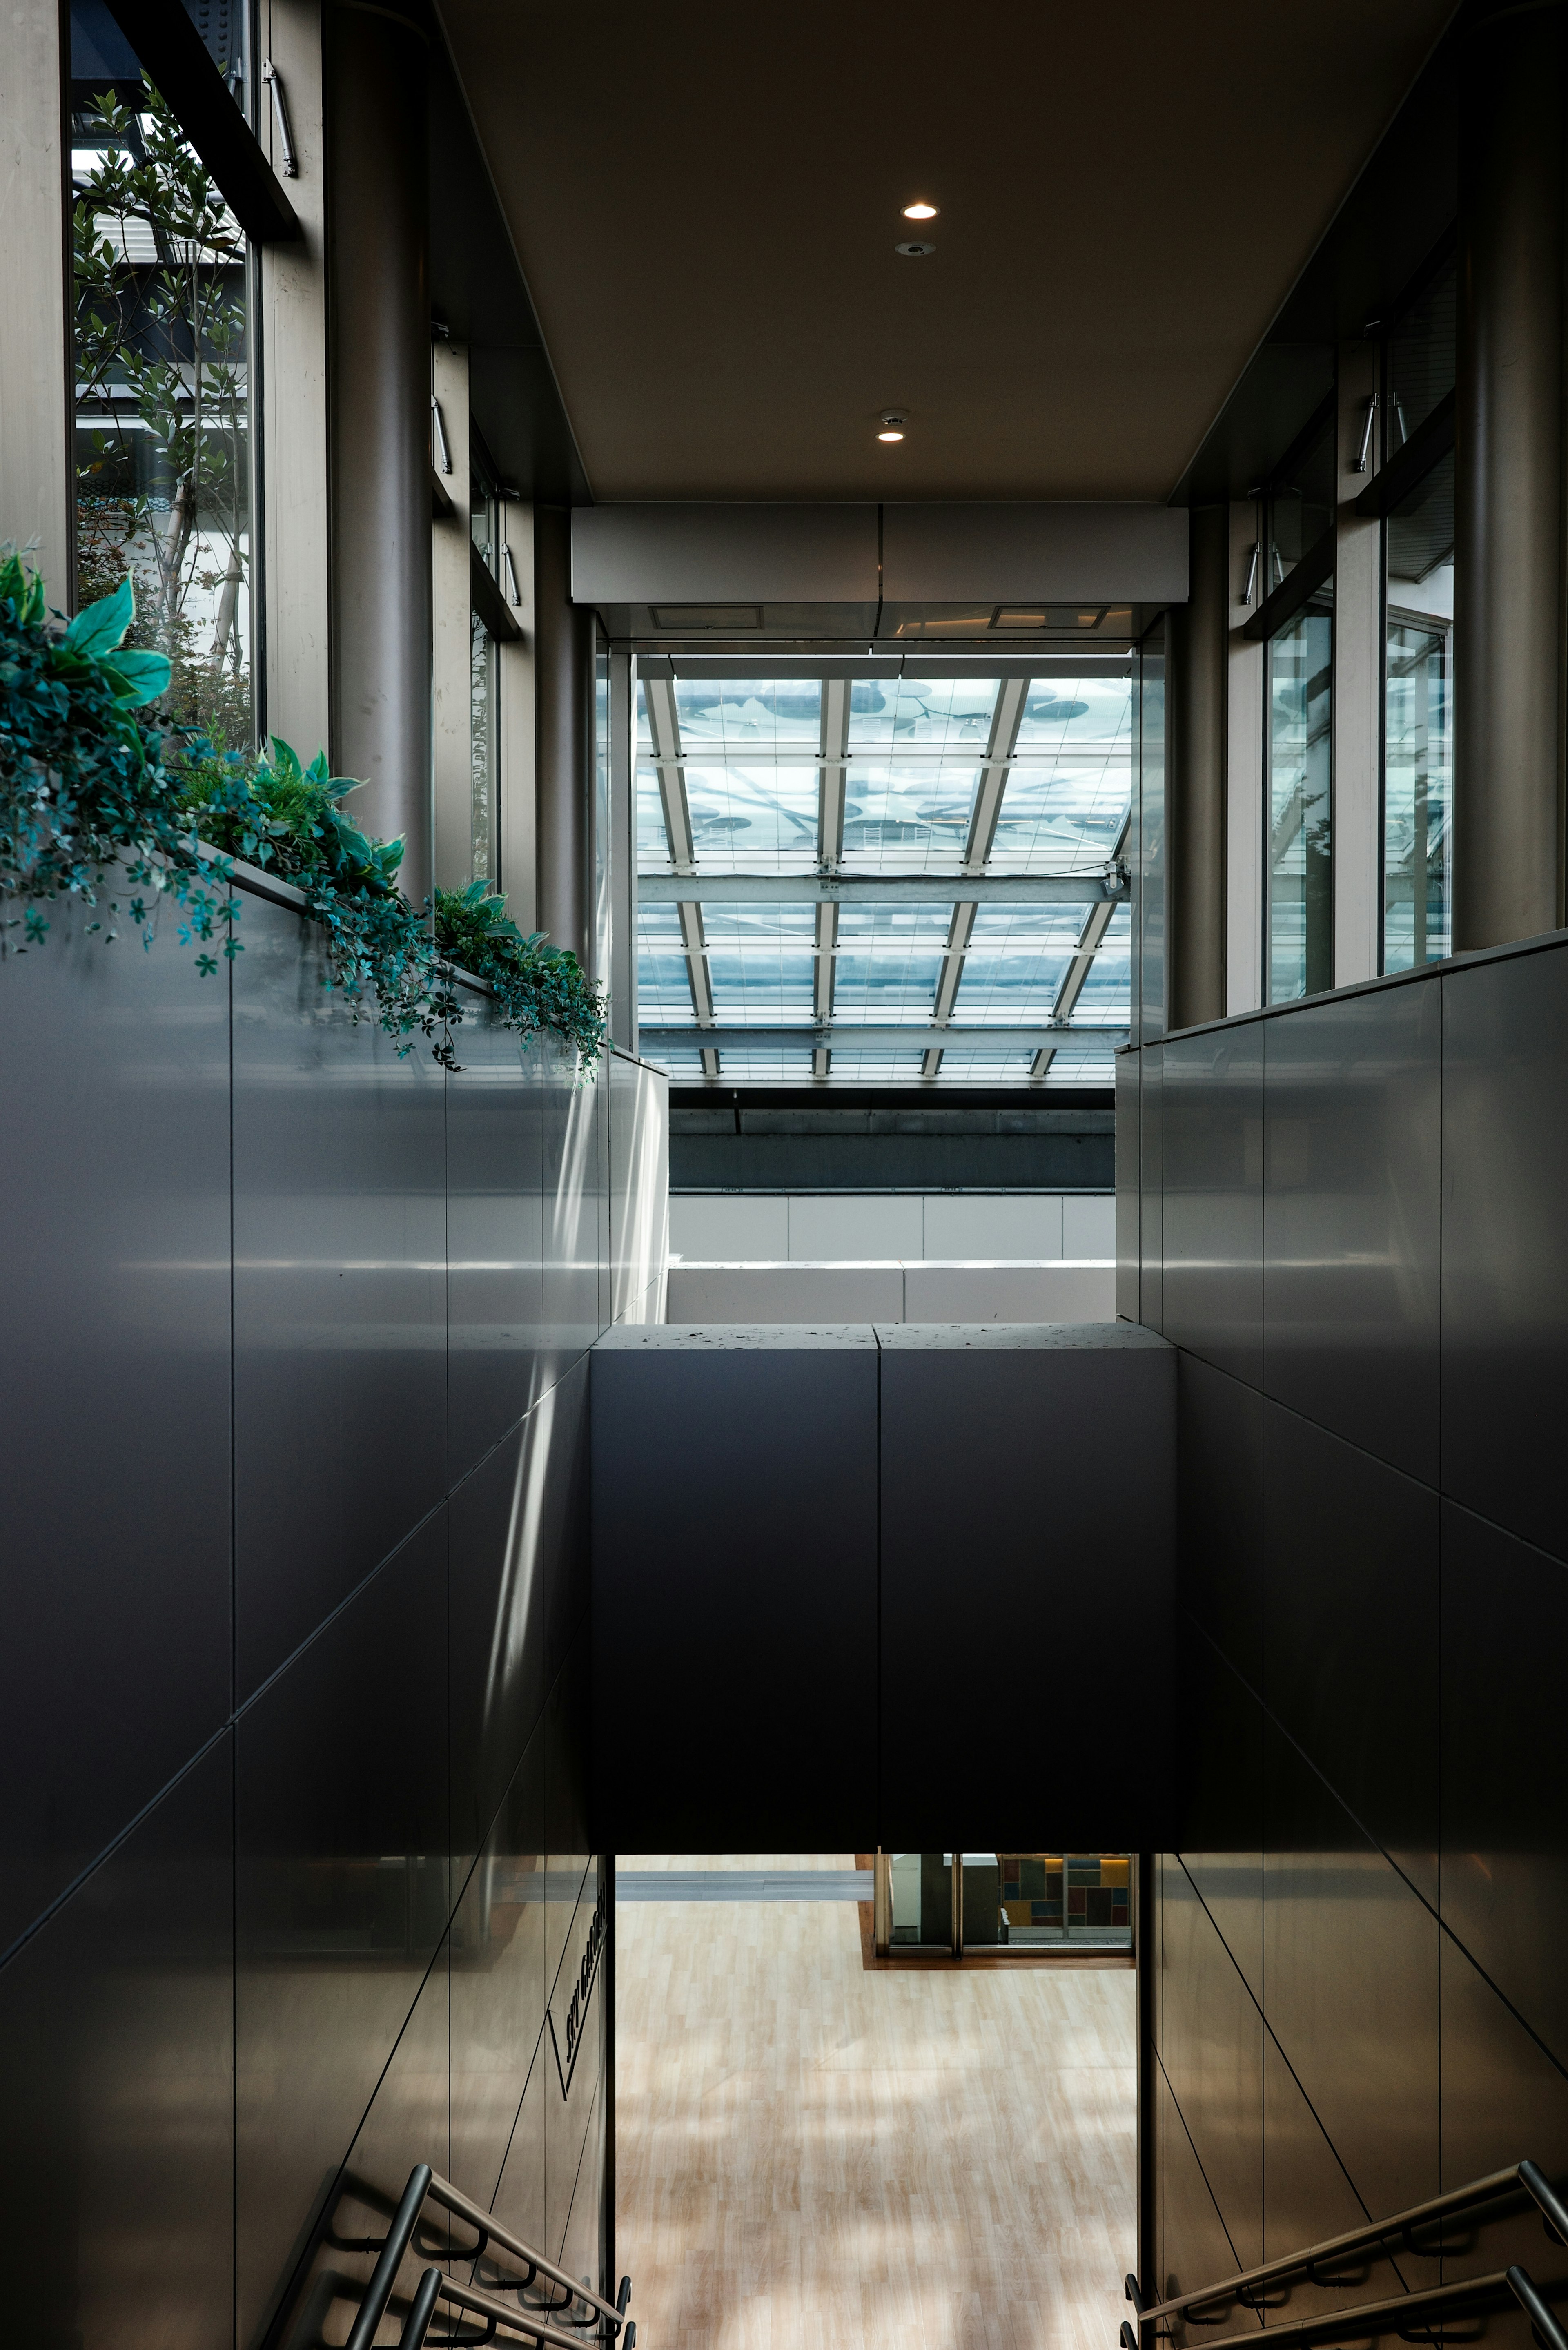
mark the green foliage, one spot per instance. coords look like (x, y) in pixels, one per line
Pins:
(535, 984)
(85, 790)
(87, 803)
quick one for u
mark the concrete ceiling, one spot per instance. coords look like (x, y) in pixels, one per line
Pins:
(705, 201)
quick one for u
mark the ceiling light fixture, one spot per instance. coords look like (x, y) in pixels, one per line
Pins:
(919, 212)
(894, 420)
(890, 436)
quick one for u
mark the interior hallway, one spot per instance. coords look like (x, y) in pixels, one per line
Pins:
(811, 2154)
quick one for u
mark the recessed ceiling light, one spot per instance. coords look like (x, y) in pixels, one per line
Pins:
(919, 212)
(890, 436)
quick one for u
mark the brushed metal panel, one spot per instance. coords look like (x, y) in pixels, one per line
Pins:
(340, 1896)
(519, 2201)
(1032, 1483)
(734, 1516)
(1503, 2098)
(1212, 2048)
(495, 1158)
(498, 1577)
(573, 2079)
(1350, 1615)
(1194, 2248)
(1220, 1745)
(116, 2084)
(568, 1860)
(1220, 1553)
(114, 1441)
(742, 554)
(498, 1981)
(1128, 1065)
(1151, 1191)
(1213, 1196)
(1505, 1836)
(1351, 1218)
(339, 1375)
(1505, 1242)
(1350, 1970)
(575, 1197)
(958, 552)
(1307, 2198)
(639, 1103)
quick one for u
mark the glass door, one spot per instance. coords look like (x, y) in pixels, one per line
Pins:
(1024, 1903)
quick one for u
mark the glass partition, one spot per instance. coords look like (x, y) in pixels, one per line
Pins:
(162, 340)
(1034, 1902)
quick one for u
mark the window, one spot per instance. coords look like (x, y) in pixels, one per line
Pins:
(483, 702)
(162, 310)
(1299, 784)
(1418, 615)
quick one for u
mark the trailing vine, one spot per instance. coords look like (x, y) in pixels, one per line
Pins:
(92, 801)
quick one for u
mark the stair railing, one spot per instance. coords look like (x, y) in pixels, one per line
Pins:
(549, 2322)
(1406, 2315)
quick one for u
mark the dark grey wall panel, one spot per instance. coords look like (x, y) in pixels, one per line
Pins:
(762, 1604)
(1212, 1182)
(1307, 2197)
(1503, 2098)
(1350, 1970)
(1350, 1643)
(1151, 1192)
(1212, 2048)
(1351, 1219)
(1505, 1242)
(114, 1442)
(494, 1144)
(1128, 1065)
(1505, 1829)
(497, 1946)
(1220, 1425)
(495, 1521)
(339, 1293)
(1220, 1743)
(1031, 1427)
(117, 2086)
(341, 1892)
(1193, 2245)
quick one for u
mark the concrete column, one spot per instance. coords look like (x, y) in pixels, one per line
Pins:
(1195, 809)
(34, 374)
(379, 248)
(563, 681)
(1509, 482)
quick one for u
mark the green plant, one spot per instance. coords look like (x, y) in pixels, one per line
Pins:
(536, 985)
(87, 803)
(85, 790)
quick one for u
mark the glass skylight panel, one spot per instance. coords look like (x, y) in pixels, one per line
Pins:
(887, 963)
(652, 845)
(906, 816)
(761, 962)
(756, 818)
(663, 989)
(1017, 959)
(743, 716)
(945, 715)
(1108, 992)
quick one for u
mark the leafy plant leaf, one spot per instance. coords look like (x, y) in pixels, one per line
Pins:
(99, 629)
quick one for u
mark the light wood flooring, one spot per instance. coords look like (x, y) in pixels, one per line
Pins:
(812, 2155)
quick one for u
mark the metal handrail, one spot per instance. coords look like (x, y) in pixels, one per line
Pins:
(1289, 2266)
(1403, 2315)
(426, 2184)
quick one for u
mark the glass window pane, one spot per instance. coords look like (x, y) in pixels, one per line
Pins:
(162, 389)
(1301, 503)
(482, 713)
(1418, 725)
(1299, 749)
(1421, 360)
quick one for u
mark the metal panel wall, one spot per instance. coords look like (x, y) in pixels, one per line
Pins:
(1374, 1877)
(296, 1703)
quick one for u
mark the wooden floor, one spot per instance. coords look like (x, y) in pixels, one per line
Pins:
(811, 2156)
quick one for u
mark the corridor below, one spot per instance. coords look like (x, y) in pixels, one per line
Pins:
(812, 2154)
